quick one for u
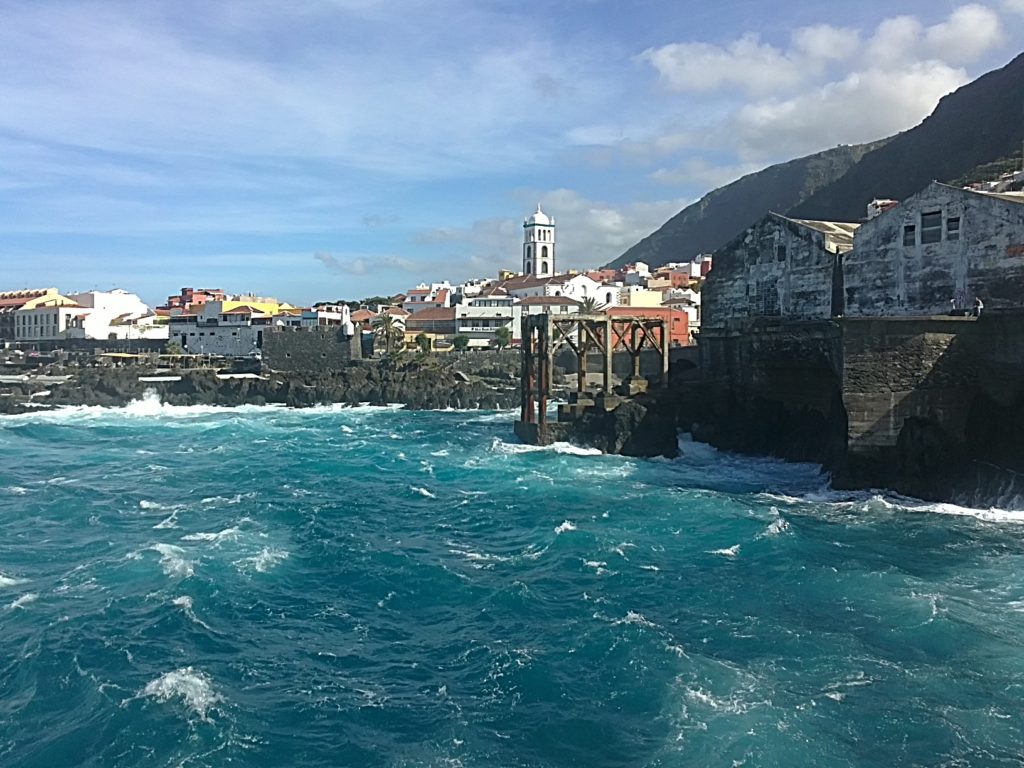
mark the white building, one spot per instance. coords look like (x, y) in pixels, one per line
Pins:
(480, 318)
(428, 296)
(47, 321)
(638, 296)
(235, 333)
(539, 245)
(101, 315)
(685, 300)
(577, 287)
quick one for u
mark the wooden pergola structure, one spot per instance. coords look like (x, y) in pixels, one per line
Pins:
(544, 335)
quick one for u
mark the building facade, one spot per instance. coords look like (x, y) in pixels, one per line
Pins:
(778, 267)
(937, 251)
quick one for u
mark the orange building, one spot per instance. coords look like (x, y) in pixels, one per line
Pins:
(677, 321)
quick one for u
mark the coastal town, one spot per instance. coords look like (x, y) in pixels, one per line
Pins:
(482, 313)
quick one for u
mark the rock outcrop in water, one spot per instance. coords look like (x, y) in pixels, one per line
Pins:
(415, 385)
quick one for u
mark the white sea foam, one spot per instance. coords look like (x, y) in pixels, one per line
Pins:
(185, 603)
(173, 561)
(480, 557)
(565, 527)
(732, 551)
(21, 602)
(10, 581)
(171, 521)
(193, 687)
(500, 446)
(422, 492)
(632, 617)
(214, 538)
(265, 560)
(777, 527)
(16, 490)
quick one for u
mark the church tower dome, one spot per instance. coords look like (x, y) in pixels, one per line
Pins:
(539, 244)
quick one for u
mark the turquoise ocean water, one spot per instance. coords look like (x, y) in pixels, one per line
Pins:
(376, 587)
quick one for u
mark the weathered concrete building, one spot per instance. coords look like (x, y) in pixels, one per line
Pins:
(778, 267)
(938, 250)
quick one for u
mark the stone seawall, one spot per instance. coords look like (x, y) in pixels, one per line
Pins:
(929, 406)
(308, 350)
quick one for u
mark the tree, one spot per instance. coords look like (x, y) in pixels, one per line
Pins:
(173, 348)
(460, 342)
(423, 342)
(502, 337)
(387, 331)
(589, 306)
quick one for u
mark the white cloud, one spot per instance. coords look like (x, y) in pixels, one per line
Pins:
(745, 63)
(1016, 6)
(862, 107)
(589, 233)
(830, 86)
(698, 171)
(970, 32)
(363, 265)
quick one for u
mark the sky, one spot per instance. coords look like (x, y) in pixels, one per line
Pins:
(326, 149)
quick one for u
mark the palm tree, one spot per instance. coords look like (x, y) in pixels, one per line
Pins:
(589, 306)
(502, 337)
(386, 330)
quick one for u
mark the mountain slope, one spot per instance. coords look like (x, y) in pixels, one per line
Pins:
(976, 124)
(717, 217)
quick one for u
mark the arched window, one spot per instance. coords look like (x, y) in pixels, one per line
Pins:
(543, 251)
(608, 298)
(529, 268)
(529, 251)
(544, 267)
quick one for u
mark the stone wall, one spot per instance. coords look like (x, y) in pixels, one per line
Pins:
(928, 406)
(308, 350)
(777, 267)
(978, 251)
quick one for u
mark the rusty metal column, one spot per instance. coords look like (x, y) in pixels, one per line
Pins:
(609, 345)
(665, 333)
(582, 340)
(543, 344)
(524, 381)
(635, 351)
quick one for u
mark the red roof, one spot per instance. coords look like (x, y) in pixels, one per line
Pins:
(418, 292)
(547, 301)
(361, 314)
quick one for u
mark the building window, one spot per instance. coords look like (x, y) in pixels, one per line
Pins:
(780, 252)
(931, 227)
(543, 251)
(544, 267)
(953, 228)
(909, 235)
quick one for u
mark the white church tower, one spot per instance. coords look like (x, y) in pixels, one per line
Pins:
(539, 245)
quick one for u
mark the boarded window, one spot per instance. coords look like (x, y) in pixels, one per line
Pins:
(909, 235)
(953, 228)
(931, 227)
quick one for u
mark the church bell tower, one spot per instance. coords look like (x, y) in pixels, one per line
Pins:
(539, 245)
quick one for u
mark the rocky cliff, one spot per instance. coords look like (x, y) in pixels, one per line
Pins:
(415, 385)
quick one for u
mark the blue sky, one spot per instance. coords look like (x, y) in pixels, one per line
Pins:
(339, 148)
